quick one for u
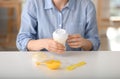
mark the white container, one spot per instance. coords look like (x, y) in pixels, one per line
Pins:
(60, 35)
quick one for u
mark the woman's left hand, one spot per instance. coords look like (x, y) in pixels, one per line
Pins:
(77, 41)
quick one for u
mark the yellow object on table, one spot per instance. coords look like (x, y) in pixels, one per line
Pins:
(53, 64)
(39, 58)
(74, 66)
(42, 59)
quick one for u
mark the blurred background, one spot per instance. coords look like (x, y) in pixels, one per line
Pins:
(108, 17)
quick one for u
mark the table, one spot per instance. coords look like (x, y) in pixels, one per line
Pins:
(100, 65)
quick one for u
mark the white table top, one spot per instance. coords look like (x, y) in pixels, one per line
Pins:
(100, 65)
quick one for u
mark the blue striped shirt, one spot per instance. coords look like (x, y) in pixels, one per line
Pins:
(40, 18)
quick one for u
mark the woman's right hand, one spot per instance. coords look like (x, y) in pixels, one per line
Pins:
(49, 44)
(53, 46)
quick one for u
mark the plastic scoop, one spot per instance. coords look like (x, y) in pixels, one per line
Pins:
(53, 64)
(43, 59)
(74, 66)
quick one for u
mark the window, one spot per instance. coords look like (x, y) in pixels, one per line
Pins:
(115, 7)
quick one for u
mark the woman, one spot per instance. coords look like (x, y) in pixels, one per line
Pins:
(41, 18)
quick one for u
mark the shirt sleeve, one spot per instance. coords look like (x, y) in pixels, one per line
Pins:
(28, 26)
(91, 31)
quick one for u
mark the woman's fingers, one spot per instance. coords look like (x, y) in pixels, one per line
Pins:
(75, 41)
(75, 44)
(74, 36)
(56, 50)
(56, 47)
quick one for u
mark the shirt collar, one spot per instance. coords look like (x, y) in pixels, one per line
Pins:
(49, 4)
(70, 4)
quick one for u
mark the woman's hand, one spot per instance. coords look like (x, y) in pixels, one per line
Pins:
(49, 44)
(77, 41)
(54, 46)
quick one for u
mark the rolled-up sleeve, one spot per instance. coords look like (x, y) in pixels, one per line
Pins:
(91, 27)
(28, 26)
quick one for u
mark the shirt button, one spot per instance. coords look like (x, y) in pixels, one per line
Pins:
(60, 25)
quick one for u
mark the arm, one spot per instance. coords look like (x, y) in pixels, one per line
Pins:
(77, 41)
(49, 44)
(28, 26)
(27, 39)
(91, 32)
(90, 41)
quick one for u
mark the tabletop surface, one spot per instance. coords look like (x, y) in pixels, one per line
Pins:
(100, 65)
